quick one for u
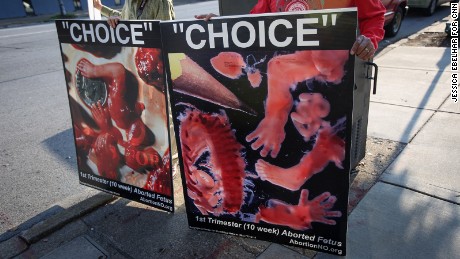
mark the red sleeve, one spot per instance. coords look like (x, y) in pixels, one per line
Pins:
(262, 6)
(371, 18)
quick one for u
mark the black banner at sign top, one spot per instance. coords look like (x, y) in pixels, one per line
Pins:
(271, 32)
(128, 34)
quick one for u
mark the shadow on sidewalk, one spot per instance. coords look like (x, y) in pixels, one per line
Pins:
(61, 144)
(399, 220)
(30, 223)
(442, 66)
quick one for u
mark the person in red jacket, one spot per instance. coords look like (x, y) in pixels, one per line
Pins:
(370, 18)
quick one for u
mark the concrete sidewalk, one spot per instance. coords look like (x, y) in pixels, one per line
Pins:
(412, 210)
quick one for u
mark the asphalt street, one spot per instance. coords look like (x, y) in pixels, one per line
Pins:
(37, 159)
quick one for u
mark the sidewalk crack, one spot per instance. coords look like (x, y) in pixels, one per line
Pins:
(421, 192)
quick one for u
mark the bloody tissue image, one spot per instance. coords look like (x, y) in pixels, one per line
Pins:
(269, 129)
(149, 64)
(232, 65)
(213, 162)
(118, 109)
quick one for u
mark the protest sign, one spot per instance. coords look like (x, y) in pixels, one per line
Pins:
(262, 109)
(117, 96)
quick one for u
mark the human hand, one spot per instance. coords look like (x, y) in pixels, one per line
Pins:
(97, 4)
(301, 216)
(101, 116)
(363, 48)
(269, 134)
(205, 17)
(318, 209)
(113, 21)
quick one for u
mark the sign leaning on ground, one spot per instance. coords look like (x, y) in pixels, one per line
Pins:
(262, 108)
(116, 88)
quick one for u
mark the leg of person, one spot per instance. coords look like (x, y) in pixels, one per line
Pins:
(172, 137)
(170, 9)
(159, 10)
(174, 154)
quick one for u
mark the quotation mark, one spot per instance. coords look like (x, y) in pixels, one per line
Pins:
(65, 24)
(333, 18)
(181, 27)
(148, 26)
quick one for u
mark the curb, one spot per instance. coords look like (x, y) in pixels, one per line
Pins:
(73, 208)
(57, 221)
(12, 247)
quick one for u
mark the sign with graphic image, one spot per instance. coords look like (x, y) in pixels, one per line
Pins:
(117, 96)
(262, 110)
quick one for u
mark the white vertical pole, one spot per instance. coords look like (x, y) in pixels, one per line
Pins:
(94, 14)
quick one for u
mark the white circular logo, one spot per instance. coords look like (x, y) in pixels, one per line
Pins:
(297, 5)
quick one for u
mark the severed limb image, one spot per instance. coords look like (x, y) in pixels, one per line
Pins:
(285, 72)
(328, 148)
(302, 215)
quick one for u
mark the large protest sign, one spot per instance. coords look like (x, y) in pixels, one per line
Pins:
(262, 113)
(116, 88)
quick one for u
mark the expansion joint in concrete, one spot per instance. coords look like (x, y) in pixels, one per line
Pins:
(421, 192)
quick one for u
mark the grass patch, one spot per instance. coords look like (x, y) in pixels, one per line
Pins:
(430, 39)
